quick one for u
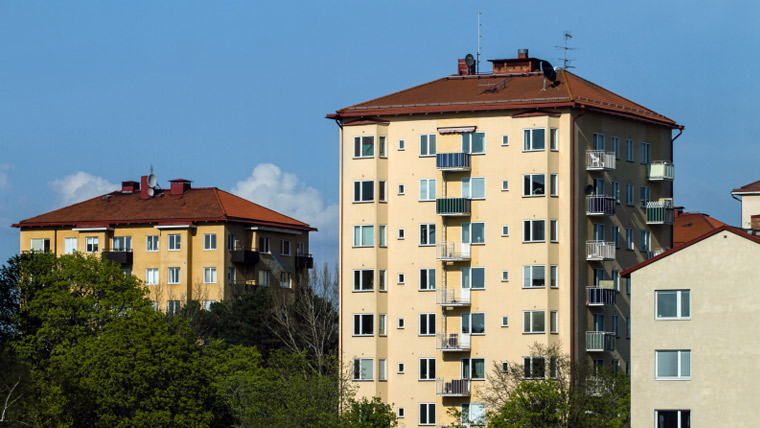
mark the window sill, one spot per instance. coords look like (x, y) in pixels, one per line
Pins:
(426, 289)
(672, 378)
(534, 242)
(363, 291)
(362, 335)
(427, 245)
(363, 157)
(428, 156)
(672, 319)
(533, 196)
(533, 150)
(534, 332)
(426, 200)
(209, 249)
(534, 288)
(355, 246)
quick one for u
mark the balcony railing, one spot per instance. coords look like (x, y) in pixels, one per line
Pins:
(452, 251)
(453, 341)
(452, 387)
(656, 252)
(598, 160)
(453, 206)
(452, 161)
(247, 256)
(600, 250)
(661, 171)
(453, 297)
(600, 341)
(304, 261)
(600, 205)
(119, 256)
(660, 212)
(600, 296)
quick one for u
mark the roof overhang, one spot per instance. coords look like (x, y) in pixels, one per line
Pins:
(456, 129)
(274, 229)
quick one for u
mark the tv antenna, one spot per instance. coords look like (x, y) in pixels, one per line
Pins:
(565, 60)
(477, 62)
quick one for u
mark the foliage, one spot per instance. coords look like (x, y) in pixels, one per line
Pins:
(9, 297)
(366, 413)
(533, 404)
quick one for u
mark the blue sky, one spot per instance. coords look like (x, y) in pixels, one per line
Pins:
(233, 94)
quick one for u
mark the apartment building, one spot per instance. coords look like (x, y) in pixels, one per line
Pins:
(692, 350)
(184, 243)
(482, 213)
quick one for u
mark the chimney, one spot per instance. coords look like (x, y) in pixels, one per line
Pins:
(521, 64)
(144, 187)
(129, 186)
(179, 186)
(463, 69)
(522, 53)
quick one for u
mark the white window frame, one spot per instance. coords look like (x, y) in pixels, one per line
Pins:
(427, 279)
(505, 321)
(504, 185)
(382, 280)
(505, 140)
(174, 275)
(400, 279)
(360, 375)
(42, 245)
(554, 230)
(529, 145)
(151, 276)
(209, 275)
(286, 247)
(529, 271)
(359, 242)
(530, 189)
(504, 230)
(468, 283)
(468, 365)
(528, 329)
(70, 245)
(426, 148)
(382, 191)
(359, 142)
(174, 241)
(427, 369)
(400, 323)
(467, 233)
(91, 244)
(382, 370)
(382, 237)
(554, 276)
(528, 363)
(382, 146)
(645, 195)
(680, 353)
(553, 185)
(265, 278)
(505, 276)
(360, 188)
(209, 241)
(361, 274)
(646, 240)
(469, 317)
(359, 326)
(401, 189)
(679, 305)
(427, 234)
(427, 416)
(531, 238)
(469, 185)
(400, 368)
(553, 139)
(173, 306)
(400, 233)
(427, 324)
(121, 243)
(679, 416)
(382, 325)
(426, 183)
(401, 145)
(554, 322)
(467, 146)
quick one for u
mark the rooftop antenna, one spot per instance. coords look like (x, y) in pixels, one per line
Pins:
(565, 61)
(477, 63)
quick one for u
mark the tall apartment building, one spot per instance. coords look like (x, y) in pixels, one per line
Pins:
(482, 213)
(184, 243)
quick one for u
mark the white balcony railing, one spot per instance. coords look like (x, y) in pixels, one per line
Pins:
(453, 341)
(661, 171)
(600, 250)
(600, 205)
(453, 297)
(452, 251)
(599, 160)
(452, 387)
(600, 341)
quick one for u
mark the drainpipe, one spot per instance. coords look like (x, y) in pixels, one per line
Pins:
(672, 190)
(572, 237)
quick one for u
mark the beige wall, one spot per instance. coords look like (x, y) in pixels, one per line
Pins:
(721, 274)
(750, 207)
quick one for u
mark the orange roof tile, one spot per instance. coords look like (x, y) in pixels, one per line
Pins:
(688, 226)
(195, 205)
(748, 188)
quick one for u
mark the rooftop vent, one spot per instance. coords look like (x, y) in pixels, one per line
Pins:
(179, 186)
(521, 64)
(129, 186)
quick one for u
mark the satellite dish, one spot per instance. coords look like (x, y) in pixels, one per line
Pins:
(152, 181)
(469, 60)
(548, 70)
(151, 192)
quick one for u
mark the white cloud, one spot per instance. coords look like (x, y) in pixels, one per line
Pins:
(269, 186)
(80, 186)
(5, 184)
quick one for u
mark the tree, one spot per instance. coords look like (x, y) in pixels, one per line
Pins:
(366, 413)
(9, 297)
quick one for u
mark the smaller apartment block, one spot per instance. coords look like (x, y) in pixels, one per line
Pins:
(692, 348)
(184, 243)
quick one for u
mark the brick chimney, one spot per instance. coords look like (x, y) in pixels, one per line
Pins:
(129, 186)
(179, 186)
(144, 187)
(521, 64)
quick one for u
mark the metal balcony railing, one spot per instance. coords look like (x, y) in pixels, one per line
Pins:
(600, 205)
(452, 251)
(600, 341)
(453, 206)
(598, 160)
(660, 212)
(596, 296)
(452, 161)
(600, 250)
(453, 297)
(452, 387)
(661, 171)
(453, 341)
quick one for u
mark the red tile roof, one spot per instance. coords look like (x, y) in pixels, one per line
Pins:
(195, 205)
(501, 92)
(688, 226)
(747, 189)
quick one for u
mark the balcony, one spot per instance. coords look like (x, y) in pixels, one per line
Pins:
(596, 296)
(121, 256)
(600, 250)
(656, 252)
(452, 161)
(453, 206)
(304, 261)
(452, 251)
(597, 205)
(244, 256)
(660, 212)
(453, 297)
(661, 171)
(453, 342)
(452, 388)
(598, 160)
(600, 341)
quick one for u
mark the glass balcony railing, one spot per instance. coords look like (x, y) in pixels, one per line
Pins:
(453, 206)
(599, 160)
(661, 171)
(660, 212)
(452, 161)
(600, 341)
(600, 205)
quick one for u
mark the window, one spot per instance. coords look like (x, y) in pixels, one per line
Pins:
(474, 142)
(616, 279)
(474, 188)
(121, 243)
(615, 234)
(629, 244)
(363, 280)
(629, 194)
(598, 232)
(629, 156)
(628, 285)
(427, 234)
(364, 191)
(427, 145)
(400, 233)
(364, 324)
(554, 276)
(553, 139)
(554, 185)
(172, 306)
(427, 368)
(401, 144)
(598, 276)
(400, 278)
(505, 140)
(534, 139)
(473, 233)
(427, 413)
(175, 240)
(400, 413)
(151, 276)
(43, 245)
(645, 236)
(231, 275)
(400, 323)
(207, 304)
(364, 147)
(382, 369)
(505, 321)
(534, 367)
(231, 242)
(382, 187)
(473, 414)
(505, 231)
(474, 277)
(474, 323)
(505, 366)
(616, 147)
(427, 324)
(554, 230)
(627, 327)
(427, 189)
(401, 189)
(644, 195)
(363, 369)
(534, 276)
(504, 185)
(400, 368)
(616, 325)
(264, 245)
(381, 325)
(70, 245)
(209, 275)
(381, 235)
(174, 275)
(672, 304)
(474, 368)
(673, 365)
(91, 245)
(534, 185)
(381, 149)
(285, 245)
(427, 279)
(265, 278)
(616, 191)
(534, 322)
(672, 418)
(505, 276)
(553, 367)
(381, 280)
(554, 322)
(599, 143)
(364, 236)
(646, 155)
(534, 230)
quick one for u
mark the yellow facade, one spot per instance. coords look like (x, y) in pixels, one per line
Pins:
(495, 198)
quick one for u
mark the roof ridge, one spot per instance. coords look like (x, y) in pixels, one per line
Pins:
(567, 83)
(263, 207)
(219, 201)
(394, 93)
